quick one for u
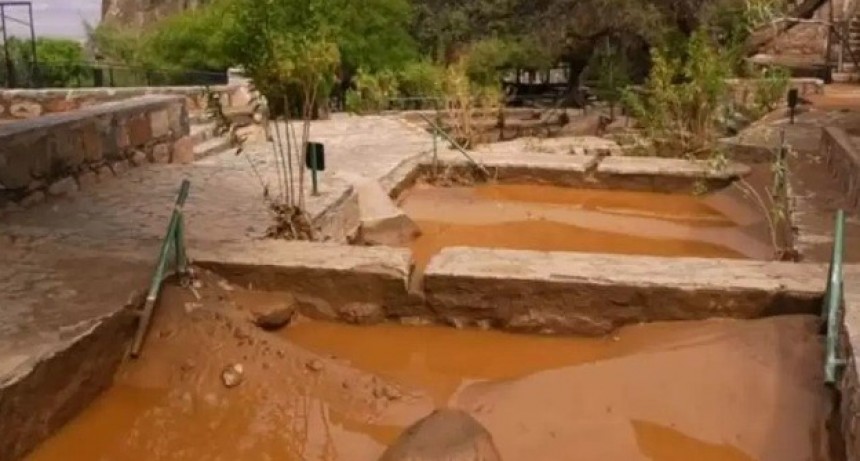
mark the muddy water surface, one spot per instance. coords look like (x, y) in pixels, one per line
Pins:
(711, 390)
(546, 218)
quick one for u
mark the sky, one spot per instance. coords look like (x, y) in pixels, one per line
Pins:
(56, 18)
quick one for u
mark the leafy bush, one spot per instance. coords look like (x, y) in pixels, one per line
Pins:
(59, 62)
(683, 98)
(372, 92)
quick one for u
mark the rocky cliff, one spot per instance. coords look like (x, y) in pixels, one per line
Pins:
(140, 13)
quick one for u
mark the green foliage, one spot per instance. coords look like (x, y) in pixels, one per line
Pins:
(116, 45)
(373, 34)
(60, 62)
(613, 73)
(421, 79)
(372, 92)
(770, 88)
(684, 97)
(189, 40)
(487, 58)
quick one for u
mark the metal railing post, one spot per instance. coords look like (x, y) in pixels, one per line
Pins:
(173, 240)
(833, 303)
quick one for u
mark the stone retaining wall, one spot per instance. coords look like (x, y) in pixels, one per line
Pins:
(593, 294)
(849, 385)
(843, 161)
(59, 153)
(24, 104)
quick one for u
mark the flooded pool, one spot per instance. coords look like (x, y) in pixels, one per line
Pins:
(718, 390)
(547, 218)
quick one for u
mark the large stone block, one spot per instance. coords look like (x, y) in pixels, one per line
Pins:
(70, 151)
(25, 109)
(139, 130)
(581, 293)
(161, 153)
(92, 142)
(159, 123)
(183, 150)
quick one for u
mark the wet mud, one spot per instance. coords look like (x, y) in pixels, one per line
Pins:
(549, 218)
(713, 390)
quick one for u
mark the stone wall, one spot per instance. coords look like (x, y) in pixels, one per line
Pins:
(25, 104)
(843, 161)
(58, 154)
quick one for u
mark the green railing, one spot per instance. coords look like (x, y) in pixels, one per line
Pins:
(833, 303)
(438, 131)
(172, 245)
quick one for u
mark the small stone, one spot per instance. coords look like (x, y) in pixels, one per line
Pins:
(232, 375)
(138, 158)
(315, 365)
(391, 393)
(161, 153)
(104, 173)
(275, 315)
(192, 306)
(362, 313)
(33, 199)
(65, 186)
(36, 185)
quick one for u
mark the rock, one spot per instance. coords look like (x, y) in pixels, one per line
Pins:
(391, 393)
(382, 222)
(274, 315)
(138, 158)
(232, 375)
(316, 308)
(33, 199)
(65, 186)
(25, 109)
(362, 313)
(444, 435)
(315, 365)
(161, 153)
(183, 150)
(119, 167)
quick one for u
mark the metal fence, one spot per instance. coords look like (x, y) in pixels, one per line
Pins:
(88, 75)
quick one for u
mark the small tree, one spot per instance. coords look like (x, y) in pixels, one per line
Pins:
(286, 49)
(613, 74)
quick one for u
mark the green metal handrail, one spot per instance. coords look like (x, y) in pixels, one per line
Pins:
(833, 303)
(438, 131)
(174, 240)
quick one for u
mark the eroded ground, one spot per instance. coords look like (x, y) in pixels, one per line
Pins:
(715, 390)
(541, 217)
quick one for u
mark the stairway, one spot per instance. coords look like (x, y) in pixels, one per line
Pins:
(850, 71)
(206, 141)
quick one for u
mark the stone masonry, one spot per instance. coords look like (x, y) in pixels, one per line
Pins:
(59, 154)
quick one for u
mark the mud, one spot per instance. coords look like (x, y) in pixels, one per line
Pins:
(539, 217)
(714, 390)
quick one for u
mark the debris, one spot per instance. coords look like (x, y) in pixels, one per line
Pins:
(192, 306)
(224, 285)
(135, 299)
(232, 375)
(315, 365)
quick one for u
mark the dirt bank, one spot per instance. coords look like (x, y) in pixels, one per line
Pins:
(537, 217)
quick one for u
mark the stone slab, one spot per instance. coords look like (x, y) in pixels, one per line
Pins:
(332, 274)
(559, 292)
(382, 221)
(663, 174)
(849, 384)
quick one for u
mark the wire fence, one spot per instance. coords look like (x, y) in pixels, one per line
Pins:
(94, 75)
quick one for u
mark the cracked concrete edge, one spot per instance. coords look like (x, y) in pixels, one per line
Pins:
(45, 392)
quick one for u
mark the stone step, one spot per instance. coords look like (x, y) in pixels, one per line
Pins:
(211, 147)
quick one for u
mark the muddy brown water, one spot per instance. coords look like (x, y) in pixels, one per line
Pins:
(716, 390)
(546, 218)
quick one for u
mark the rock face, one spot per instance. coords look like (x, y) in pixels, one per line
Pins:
(445, 435)
(140, 13)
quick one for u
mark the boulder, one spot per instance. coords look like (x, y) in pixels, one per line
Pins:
(274, 315)
(444, 435)
(382, 222)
